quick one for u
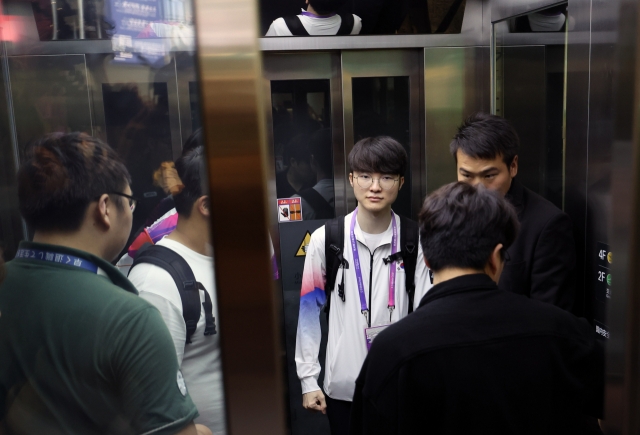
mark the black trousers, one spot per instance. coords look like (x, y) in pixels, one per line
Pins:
(338, 412)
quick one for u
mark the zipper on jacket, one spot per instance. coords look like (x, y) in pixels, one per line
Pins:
(370, 286)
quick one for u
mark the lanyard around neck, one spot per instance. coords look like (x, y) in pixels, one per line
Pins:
(392, 268)
(57, 257)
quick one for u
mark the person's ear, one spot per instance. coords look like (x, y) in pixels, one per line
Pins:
(351, 178)
(513, 168)
(204, 206)
(102, 212)
(496, 263)
(400, 183)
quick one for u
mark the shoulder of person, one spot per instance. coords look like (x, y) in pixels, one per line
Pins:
(278, 28)
(538, 205)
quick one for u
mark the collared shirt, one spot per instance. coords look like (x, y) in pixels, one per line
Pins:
(476, 359)
(82, 353)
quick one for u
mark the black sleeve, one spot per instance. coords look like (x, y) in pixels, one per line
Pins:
(554, 263)
(365, 416)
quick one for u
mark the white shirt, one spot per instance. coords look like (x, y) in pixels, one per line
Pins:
(314, 25)
(200, 360)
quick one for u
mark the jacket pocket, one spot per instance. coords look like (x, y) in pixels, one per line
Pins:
(513, 278)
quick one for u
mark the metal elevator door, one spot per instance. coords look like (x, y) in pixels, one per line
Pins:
(337, 99)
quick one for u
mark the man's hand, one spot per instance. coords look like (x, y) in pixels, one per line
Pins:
(314, 401)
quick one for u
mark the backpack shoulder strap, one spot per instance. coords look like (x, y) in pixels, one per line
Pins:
(295, 25)
(183, 277)
(409, 240)
(333, 247)
(346, 26)
(320, 205)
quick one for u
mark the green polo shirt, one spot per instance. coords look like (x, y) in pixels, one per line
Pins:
(81, 353)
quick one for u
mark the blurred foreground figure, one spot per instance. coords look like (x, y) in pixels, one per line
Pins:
(473, 358)
(80, 352)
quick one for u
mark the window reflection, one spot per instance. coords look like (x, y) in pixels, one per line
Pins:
(381, 108)
(302, 145)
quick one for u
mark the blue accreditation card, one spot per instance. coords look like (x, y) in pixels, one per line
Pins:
(371, 333)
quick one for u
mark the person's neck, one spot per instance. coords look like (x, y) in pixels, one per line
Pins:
(374, 223)
(314, 12)
(293, 182)
(451, 273)
(192, 234)
(73, 240)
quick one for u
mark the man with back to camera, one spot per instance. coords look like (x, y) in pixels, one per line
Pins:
(370, 288)
(320, 18)
(318, 201)
(80, 352)
(543, 257)
(198, 354)
(473, 358)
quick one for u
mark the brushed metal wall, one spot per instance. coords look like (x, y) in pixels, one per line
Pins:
(231, 91)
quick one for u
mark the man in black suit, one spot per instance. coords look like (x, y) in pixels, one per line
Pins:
(541, 262)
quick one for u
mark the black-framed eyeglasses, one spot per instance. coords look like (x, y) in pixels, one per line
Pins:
(132, 201)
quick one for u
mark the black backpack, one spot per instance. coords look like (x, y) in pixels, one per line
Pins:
(334, 259)
(297, 29)
(187, 285)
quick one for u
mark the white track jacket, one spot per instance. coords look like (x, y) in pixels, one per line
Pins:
(346, 346)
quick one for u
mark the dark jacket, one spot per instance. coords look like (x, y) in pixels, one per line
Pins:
(542, 260)
(474, 359)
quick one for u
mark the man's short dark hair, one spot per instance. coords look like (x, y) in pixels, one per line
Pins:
(62, 174)
(461, 224)
(193, 141)
(382, 154)
(320, 148)
(484, 136)
(324, 7)
(191, 171)
(298, 149)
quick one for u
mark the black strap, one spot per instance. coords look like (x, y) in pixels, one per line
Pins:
(295, 25)
(320, 206)
(346, 26)
(409, 240)
(333, 252)
(186, 283)
(448, 18)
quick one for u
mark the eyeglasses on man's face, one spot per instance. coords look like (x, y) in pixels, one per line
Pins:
(132, 201)
(365, 181)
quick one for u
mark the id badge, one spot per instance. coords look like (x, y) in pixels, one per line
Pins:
(371, 333)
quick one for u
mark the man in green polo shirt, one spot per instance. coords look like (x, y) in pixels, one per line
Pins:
(80, 352)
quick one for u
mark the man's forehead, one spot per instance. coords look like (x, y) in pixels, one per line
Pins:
(466, 161)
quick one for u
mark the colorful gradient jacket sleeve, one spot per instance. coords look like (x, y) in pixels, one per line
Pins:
(312, 299)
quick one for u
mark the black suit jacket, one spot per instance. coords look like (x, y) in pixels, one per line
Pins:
(542, 260)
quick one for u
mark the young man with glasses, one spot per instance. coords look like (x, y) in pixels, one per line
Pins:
(79, 350)
(369, 291)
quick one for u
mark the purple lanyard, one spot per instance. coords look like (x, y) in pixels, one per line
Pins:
(392, 267)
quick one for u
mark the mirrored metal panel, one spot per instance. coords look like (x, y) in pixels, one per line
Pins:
(124, 72)
(530, 66)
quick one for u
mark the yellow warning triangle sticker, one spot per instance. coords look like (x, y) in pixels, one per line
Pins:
(302, 250)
